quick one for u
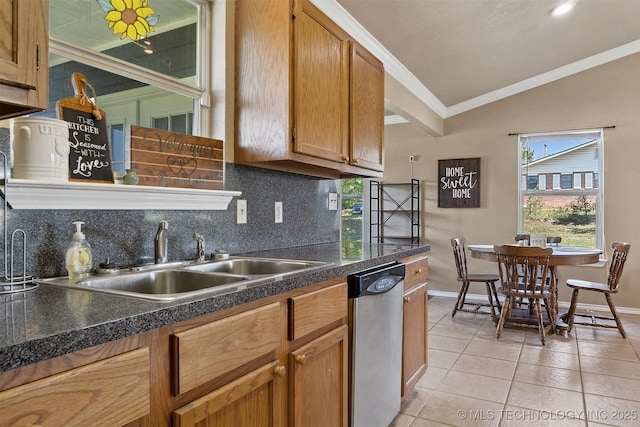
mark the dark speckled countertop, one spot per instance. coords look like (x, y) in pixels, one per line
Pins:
(51, 321)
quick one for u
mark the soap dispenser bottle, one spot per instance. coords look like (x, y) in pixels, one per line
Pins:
(78, 259)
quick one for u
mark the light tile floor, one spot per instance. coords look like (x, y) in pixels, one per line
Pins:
(589, 378)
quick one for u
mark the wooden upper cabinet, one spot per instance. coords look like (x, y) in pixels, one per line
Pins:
(367, 109)
(297, 80)
(24, 46)
(321, 86)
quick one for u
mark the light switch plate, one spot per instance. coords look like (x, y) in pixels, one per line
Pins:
(278, 212)
(333, 201)
(241, 214)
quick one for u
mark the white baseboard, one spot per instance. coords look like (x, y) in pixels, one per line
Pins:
(561, 304)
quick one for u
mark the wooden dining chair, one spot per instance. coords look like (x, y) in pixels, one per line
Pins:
(619, 257)
(551, 240)
(458, 245)
(523, 272)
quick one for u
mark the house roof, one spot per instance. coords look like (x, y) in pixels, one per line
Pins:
(562, 153)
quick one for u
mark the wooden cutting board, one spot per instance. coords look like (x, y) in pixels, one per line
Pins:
(169, 159)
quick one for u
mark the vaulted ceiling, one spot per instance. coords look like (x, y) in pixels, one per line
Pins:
(460, 54)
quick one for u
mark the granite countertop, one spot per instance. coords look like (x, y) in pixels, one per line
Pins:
(51, 321)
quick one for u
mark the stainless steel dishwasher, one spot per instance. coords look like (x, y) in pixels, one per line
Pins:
(375, 324)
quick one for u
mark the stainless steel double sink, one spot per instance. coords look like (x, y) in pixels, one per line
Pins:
(170, 282)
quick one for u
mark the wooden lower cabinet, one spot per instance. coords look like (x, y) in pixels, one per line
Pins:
(415, 318)
(110, 392)
(306, 330)
(273, 362)
(319, 381)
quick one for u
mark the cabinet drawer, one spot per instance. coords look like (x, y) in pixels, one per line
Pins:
(113, 391)
(314, 310)
(208, 351)
(416, 271)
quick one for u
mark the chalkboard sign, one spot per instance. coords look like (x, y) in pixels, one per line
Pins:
(459, 183)
(90, 153)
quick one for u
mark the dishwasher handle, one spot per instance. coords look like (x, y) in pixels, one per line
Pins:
(375, 281)
(382, 284)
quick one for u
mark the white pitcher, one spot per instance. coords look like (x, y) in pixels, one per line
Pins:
(39, 149)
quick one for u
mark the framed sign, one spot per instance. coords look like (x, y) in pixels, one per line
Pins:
(90, 153)
(459, 183)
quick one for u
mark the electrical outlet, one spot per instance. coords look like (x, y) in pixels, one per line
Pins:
(278, 211)
(241, 213)
(333, 201)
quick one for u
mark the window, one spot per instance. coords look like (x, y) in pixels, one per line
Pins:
(161, 76)
(352, 217)
(116, 136)
(566, 199)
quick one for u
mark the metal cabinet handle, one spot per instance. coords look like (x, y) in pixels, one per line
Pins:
(407, 300)
(418, 271)
(300, 358)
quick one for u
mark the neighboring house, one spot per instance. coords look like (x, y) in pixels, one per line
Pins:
(572, 169)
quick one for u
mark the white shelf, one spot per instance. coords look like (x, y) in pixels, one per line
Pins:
(32, 194)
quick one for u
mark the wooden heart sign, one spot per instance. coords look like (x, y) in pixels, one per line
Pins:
(169, 159)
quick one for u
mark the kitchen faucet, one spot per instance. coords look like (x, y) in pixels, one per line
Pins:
(161, 242)
(200, 242)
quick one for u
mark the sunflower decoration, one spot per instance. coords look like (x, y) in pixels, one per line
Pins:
(129, 18)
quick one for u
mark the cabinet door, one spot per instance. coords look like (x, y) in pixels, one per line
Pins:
(251, 400)
(321, 85)
(414, 337)
(367, 109)
(319, 383)
(110, 392)
(24, 44)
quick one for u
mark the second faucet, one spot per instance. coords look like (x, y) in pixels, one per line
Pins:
(160, 243)
(200, 242)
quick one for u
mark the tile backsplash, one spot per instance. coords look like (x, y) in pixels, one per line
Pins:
(125, 236)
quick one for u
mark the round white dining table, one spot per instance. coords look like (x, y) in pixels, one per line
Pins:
(562, 255)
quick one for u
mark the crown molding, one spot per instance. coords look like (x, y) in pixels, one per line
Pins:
(544, 78)
(394, 119)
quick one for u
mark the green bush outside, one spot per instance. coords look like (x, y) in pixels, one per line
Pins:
(575, 223)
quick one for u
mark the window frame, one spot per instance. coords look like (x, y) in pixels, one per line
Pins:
(598, 179)
(199, 90)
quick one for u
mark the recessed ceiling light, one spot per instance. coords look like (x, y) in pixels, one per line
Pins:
(563, 8)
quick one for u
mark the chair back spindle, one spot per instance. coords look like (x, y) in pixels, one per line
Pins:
(460, 255)
(619, 257)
